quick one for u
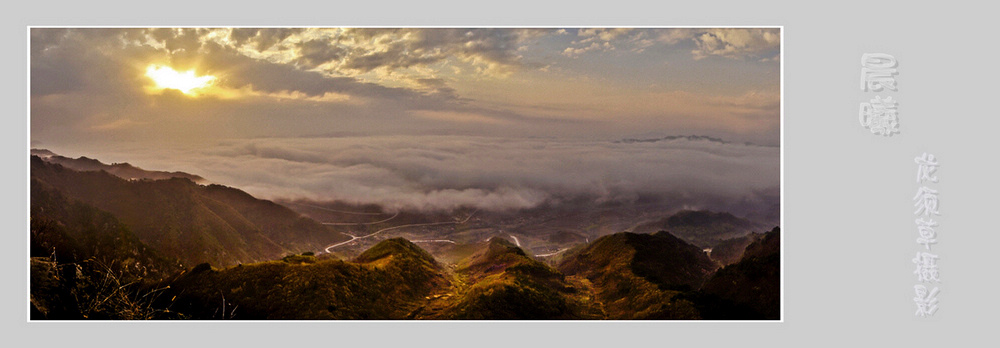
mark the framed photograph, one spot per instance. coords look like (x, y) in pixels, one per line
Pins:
(451, 173)
(443, 173)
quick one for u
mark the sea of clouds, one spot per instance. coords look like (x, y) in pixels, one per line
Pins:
(442, 172)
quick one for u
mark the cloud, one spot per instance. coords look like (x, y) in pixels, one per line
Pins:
(576, 52)
(737, 43)
(602, 33)
(760, 44)
(358, 51)
(420, 118)
(261, 39)
(116, 125)
(458, 117)
(447, 172)
(593, 39)
(314, 53)
(86, 79)
(110, 57)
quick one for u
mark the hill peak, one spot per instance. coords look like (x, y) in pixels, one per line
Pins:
(396, 247)
(661, 258)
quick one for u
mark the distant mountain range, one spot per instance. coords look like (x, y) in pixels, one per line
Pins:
(731, 251)
(122, 170)
(188, 222)
(702, 228)
(680, 137)
(107, 247)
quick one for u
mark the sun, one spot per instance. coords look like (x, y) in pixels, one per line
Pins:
(166, 77)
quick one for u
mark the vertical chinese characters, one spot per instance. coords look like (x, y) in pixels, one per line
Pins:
(926, 203)
(878, 73)
(926, 300)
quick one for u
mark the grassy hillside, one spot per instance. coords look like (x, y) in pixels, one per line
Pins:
(388, 282)
(507, 284)
(190, 222)
(85, 263)
(637, 276)
(103, 247)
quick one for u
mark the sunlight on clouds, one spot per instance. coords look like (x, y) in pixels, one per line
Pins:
(577, 82)
(187, 82)
(118, 124)
(454, 116)
(328, 97)
(738, 44)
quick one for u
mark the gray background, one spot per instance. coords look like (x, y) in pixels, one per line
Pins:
(848, 218)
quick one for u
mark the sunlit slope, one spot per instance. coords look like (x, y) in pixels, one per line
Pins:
(388, 281)
(83, 260)
(505, 283)
(189, 222)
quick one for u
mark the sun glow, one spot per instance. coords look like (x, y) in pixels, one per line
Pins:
(166, 77)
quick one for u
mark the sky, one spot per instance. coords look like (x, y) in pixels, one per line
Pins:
(429, 118)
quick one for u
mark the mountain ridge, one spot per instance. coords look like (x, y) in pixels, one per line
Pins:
(253, 259)
(191, 222)
(121, 170)
(700, 227)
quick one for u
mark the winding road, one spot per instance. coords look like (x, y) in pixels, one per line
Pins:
(552, 253)
(353, 237)
(359, 223)
(433, 241)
